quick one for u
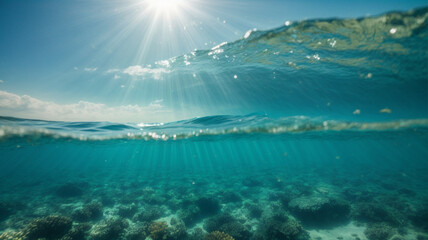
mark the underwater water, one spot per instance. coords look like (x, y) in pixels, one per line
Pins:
(335, 146)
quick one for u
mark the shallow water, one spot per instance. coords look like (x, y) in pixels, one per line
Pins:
(308, 169)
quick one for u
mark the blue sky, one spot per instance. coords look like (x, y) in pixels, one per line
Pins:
(65, 54)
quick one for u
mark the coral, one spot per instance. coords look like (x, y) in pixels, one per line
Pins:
(291, 229)
(106, 199)
(89, 212)
(127, 199)
(149, 214)
(78, 232)
(152, 198)
(177, 230)
(12, 235)
(215, 223)
(283, 197)
(208, 206)
(173, 203)
(318, 211)
(279, 226)
(254, 210)
(110, 229)
(374, 213)
(379, 231)
(138, 232)
(158, 230)
(52, 227)
(216, 235)
(197, 234)
(127, 211)
(226, 223)
(236, 230)
(190, 215)
(301, 188)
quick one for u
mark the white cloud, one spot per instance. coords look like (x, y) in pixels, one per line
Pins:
(163, 63)
(148, 71)
(1, 81)
(90, 69)
(28, 107)
(113, 70)
(137, 70)
(156, 103)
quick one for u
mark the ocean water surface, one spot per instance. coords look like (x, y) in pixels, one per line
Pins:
(325, 137)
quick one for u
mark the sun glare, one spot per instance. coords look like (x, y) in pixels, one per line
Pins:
(165, 5)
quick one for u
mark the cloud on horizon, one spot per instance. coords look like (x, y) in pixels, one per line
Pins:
(138, 70)
(143, 72)
(90, 69)
(29, 107)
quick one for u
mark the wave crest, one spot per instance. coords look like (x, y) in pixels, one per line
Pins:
(221, 125)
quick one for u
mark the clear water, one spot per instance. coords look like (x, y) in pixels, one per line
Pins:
(337, 147)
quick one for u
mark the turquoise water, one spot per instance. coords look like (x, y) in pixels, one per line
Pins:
(335, 146)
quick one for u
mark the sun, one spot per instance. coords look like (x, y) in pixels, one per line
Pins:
(165, 6)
